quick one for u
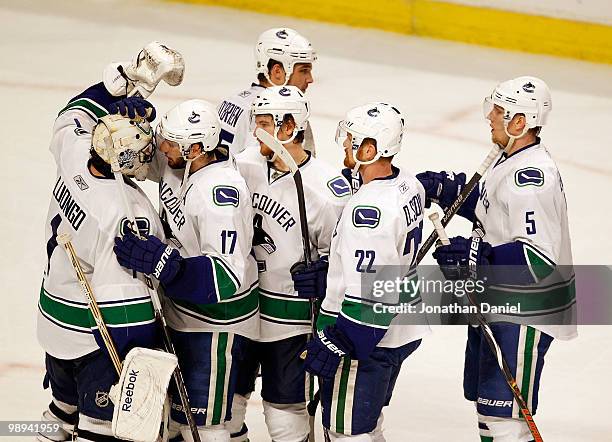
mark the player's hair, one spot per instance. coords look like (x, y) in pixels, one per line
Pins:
(299, 137)
(99, 164)
(261, 77)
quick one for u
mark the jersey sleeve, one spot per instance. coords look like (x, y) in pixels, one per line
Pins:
(224, 221)
(532, 196)
(326, 220)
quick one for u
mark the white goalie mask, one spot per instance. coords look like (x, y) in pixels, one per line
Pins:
(279, 101)
(381, 122)
(529, 96)
(190, 122)
(285, 46)
(124, 143)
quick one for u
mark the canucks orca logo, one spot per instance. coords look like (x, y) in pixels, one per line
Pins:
(226, 196)
(194, 118)
(285, 92)
(374, 112)
(366, 216)
(529, 87)
(339, 186)
(282, 34)
(262, 238)
(529, 176)
(144, 226)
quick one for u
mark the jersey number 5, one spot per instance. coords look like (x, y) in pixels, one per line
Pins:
(531, 225)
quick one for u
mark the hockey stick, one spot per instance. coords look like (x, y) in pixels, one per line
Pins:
(65, 240)
(159, 316)
(286, 158)
(493, 345)
(454, 207)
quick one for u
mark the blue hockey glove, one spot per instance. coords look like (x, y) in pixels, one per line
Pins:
(310, 282)
(462, 257)
(355, 181)
(149, 256)
(325, 351)
(131, 106)
(441, 187)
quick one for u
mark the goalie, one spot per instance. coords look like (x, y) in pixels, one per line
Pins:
(85, 203)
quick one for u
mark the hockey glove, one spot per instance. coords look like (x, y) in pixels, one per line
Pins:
(310, 282)
(462, 257)
(441, 187)
(325, 351)
(355, 181)
(149, 256)
(132, 106)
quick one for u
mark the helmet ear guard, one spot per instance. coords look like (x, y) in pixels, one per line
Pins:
(124, 143)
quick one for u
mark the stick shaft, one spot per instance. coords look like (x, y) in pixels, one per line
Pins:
(93, 305)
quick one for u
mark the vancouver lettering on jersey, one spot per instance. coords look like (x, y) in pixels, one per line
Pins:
(72, 211)
(229, 113)
(172, 204)
(274, 209)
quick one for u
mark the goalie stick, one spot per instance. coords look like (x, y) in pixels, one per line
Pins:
(493, 345)
(280, 151)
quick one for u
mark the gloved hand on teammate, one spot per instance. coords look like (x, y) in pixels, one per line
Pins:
(454, 258)
(441, 187)
(310, 282)
(149, 256)
(325, 351)
(356, 182)
(132, 106)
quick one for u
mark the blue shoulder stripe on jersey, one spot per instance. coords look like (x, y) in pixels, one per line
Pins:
(364, 338)
(95, 100)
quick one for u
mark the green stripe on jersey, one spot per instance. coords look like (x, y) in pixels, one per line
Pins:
(80, 316)
(226, 286)
(324, 319)
(87, 105)
(297, 309)
(540, 266)
(228, 310)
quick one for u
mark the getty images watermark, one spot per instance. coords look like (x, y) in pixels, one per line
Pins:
(388, 288)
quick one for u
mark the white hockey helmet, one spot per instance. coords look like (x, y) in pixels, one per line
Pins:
(279, 101)
(529, 96)
(380, 121)
(285, 46)
(124, 143)
(190, 122)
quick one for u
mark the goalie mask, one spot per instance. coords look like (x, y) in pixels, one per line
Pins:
(285, 46)
(379, 121)
(191, 122)
(528, 96)
(124, 143)
(279, 101)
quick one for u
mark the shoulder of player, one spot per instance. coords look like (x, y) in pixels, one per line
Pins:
(533, 174)
(325, 182)
(219, 186)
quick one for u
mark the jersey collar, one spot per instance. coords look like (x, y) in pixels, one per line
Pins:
(394, 173)
(275, 175)
(504, 156)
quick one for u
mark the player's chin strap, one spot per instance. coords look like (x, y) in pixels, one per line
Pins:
(359, 163)
(291, 138)
(512, 139)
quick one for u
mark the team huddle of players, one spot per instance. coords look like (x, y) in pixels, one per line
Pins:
(225, 248)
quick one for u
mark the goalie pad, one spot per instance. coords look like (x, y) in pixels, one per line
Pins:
(140, 394)
(155, 62)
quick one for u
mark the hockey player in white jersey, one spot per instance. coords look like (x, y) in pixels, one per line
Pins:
(86, 203)
(520, 220)
(206, 270)
(283, 112)
(358, 351)
(282, 57)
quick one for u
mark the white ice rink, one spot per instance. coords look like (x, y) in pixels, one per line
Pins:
(51, 50)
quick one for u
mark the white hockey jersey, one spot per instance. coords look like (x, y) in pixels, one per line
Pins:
(236, 130)
(213, 218)
(376, 240)
(522, 199)
(274, 200)
(90, 210)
